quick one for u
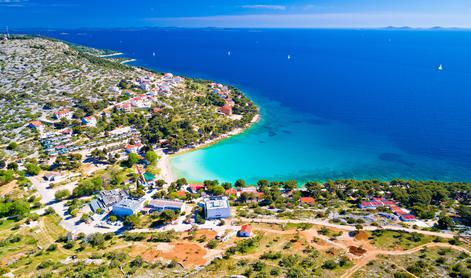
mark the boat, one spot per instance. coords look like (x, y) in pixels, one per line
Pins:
(153, 53)
(228, 53)
(440, 67)
(289, 57)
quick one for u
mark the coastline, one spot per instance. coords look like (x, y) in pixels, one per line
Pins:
(111, 55)
(127, 61)
(164, 162)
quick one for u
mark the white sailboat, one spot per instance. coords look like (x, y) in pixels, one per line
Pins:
(289, 57)
(153, 54)
(440, 67)
(228, 53)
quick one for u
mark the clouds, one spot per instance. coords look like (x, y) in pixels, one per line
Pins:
(12, 3)
(265, 7)
(321, 20)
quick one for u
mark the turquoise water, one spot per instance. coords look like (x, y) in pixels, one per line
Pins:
(348, 104)
(287, 144)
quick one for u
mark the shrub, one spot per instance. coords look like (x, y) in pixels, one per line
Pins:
(62, 194)
(329, 264)
(52, 247)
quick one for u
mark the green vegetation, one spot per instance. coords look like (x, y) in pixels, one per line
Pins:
(388, 239)
(428, 262)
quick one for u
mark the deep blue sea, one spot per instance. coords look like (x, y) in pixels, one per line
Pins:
(344, 104)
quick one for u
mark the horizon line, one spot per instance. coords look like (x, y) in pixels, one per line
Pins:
(244, 28)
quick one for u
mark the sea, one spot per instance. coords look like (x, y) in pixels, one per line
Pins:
(335, 104)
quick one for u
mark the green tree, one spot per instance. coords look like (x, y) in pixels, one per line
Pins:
(290, 185)
(32, 169)
(218, 190)
(96, 239)
(12, 166)
(151, 157)
(132, 159)
(12, 146)
(167, 216)
(132, 220)
(444, 221)
(240, 183)
(62, 194)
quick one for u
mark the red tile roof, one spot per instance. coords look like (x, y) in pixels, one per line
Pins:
(397, 210)
(181, 193)
(226, 109)
(196, 187)
(408, 216)
(246, 228)
(63, 112)
(307, 200)
(231, 191)
(36, 123)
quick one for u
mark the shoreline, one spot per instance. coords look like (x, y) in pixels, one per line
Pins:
(111, 55)
(127, 61)
(164, 162)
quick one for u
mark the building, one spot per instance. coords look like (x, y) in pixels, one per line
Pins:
(64, 113)
(216, 207)
(181, 194)
(114, 89)
(128, 206)
(377, 202)
(245, 231)
(307, 200)
(163, 204)
(397, 210)
(388, 215)
(49, 177)
(226, 109)
(370, 205)
(231, 191)
(134, 148)
(106, 199)
(89, 121)
(194, 188)
(125, 106)
(36, 125)
(407, 217)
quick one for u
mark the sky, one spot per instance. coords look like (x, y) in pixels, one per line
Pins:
(234, 13)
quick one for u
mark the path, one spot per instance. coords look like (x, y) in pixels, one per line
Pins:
(346, 227)
(373, 254)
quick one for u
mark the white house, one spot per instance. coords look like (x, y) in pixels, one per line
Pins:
(128, 206)
(64, 113)
(89, 121)
(245, 230)
(36, 125)
(134, 148)
(216, 208)
(163, 204)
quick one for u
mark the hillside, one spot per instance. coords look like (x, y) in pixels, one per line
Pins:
(40, 77)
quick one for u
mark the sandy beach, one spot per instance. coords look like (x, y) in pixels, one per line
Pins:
(110, 55)
(127, 61)
(164, 161)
